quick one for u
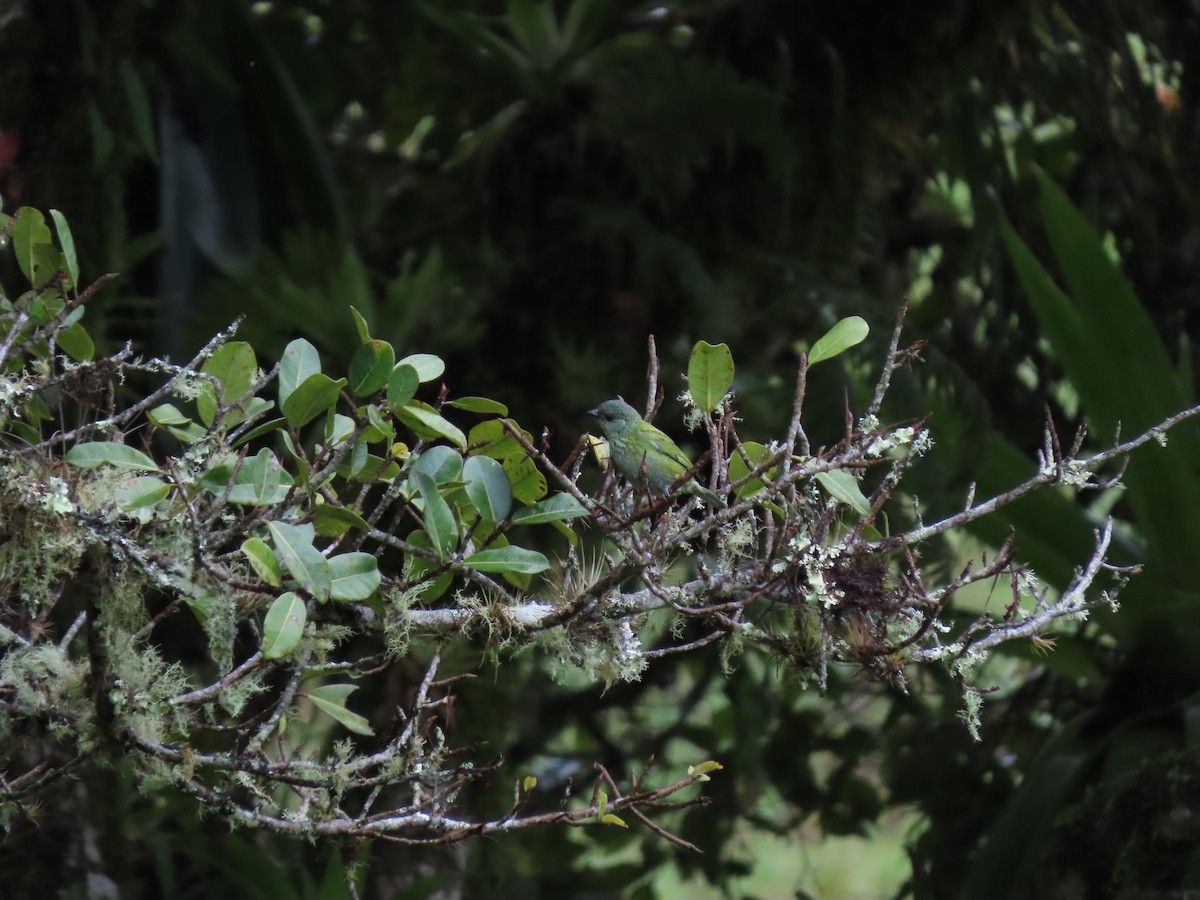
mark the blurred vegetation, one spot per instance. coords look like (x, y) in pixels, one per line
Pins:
(529, 189)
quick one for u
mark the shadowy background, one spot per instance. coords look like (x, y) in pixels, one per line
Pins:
(529, 189)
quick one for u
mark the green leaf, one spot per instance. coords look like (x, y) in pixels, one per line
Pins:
(371, 367)
(332, 521)
(293, 546)
(508, 559)
(479, 405)
(313, 396)
(491, 439)
(417, 566)
(233, 366)
(554, 508)
(841, 337)
(428, 423)
(284, 625)
(439, 520)
(300, 360)
(710, 374)
(364, 331)
(28, 233)
(258, 431)
(355, 576)
(441, 463)
(427, 366)
(402, 386)
(262, 560)
(261, 480)
(488, 487)
(843, 487)
(167, 414)
(91, 454)
(738, 469)
(75, 342)
(613, 819)
(67, 242)
(139, 492)
(331, 700)
(528, 484)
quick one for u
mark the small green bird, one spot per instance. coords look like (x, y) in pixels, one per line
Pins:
(645, 455)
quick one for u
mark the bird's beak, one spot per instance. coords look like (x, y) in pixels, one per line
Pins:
(592, 412)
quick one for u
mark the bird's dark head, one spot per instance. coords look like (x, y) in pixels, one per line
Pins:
(614, 415)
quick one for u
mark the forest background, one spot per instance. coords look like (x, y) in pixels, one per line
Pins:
(531, 189)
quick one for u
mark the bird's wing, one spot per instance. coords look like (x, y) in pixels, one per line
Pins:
(668, 448)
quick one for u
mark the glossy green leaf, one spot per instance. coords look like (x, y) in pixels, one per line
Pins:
(738, 469)
(427, 366)
(293, 546)
(75, 342)
(28, 233)
(428, 423)
(167, 414)
(299, 361)
(67, 242)
(710, 374)
(417, 566)
(332, 521)
(488, 488)
(260, 481)
(91, 454)
(508, 559)
(355, 576)
(479, 405)
(401, 386)
(331, 700)
(262, 560)
(360, 324)
(258, 431)
(554, 508)
(492, 439)
(443, 464)
(284, 625)
(840, 338)
(843, 487)
(371, 367)
(233, 365)
(139, 492)
(439, 520)
(315, 395)
(528, 483)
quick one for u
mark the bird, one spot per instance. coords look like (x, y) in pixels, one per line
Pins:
(645, 455)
